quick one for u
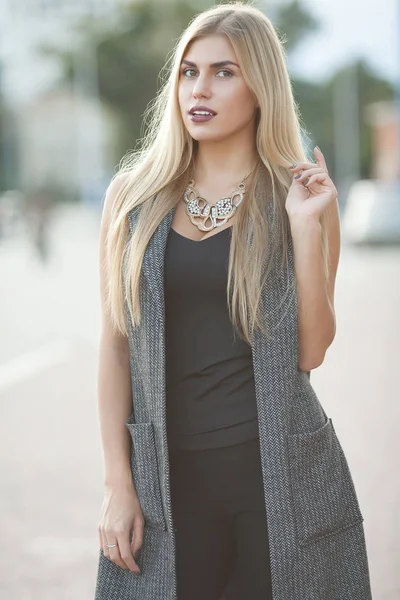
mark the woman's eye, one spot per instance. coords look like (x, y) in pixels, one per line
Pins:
(186, 71)
(192, 73)
(227, 73)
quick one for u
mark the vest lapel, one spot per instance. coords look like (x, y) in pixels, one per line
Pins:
(153, 263)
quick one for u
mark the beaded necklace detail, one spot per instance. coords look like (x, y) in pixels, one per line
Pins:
(209, 216)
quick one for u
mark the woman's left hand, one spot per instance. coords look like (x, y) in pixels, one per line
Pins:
(312, 189)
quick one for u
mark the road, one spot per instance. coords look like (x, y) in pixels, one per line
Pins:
(50, 451)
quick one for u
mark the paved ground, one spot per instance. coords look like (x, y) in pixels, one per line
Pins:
(50, 452)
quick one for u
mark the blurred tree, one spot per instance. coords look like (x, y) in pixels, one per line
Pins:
(316, 103)
(8, 142)
(296, 23)
(2, 135)
(130, 57)
(2, 146)
(8, 151)
(371, 88)
(129, 60)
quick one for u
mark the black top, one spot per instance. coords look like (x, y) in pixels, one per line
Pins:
(210, 390)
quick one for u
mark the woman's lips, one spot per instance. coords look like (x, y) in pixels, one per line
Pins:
(201, 118)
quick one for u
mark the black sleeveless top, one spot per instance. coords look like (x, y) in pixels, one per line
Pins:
(210, 391)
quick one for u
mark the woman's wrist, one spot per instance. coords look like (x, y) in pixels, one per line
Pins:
(121, 479)
(303, 220)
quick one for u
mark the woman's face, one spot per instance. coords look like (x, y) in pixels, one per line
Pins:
(210, 77)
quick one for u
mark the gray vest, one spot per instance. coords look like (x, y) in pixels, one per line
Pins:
(315, 526)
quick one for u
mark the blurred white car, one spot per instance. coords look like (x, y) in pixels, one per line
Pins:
(372, 213)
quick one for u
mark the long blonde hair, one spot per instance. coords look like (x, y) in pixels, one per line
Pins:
(156, 176)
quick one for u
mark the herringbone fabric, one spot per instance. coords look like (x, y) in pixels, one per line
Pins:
(316, 535)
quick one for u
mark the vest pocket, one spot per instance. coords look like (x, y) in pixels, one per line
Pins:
(145, 473)
(323, 493)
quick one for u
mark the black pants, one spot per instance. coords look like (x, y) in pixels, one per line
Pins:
(221, 526)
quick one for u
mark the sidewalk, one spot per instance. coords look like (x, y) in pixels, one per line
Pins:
(50, 453)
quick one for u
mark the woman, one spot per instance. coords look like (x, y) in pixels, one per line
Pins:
(219, 251)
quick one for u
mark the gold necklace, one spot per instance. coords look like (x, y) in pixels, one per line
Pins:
(206, 216)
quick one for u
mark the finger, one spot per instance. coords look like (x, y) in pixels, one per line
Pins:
(307, 173)
(300, 166)
(319, 178)
(114, 553)
(319, 157)
(103, 542)
(100, 538)
(126, 553)
(137, 535)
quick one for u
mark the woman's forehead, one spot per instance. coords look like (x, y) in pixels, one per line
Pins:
(210, 49)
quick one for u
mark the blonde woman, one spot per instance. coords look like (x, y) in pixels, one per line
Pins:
(224, 477)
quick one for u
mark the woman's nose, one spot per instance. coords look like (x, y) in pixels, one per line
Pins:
(201, 88)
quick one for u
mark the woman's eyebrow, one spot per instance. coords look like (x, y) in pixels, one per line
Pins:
(216, 65)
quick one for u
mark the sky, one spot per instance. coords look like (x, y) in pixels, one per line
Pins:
(349, 28)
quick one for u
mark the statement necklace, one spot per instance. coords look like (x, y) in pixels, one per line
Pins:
(209, 216)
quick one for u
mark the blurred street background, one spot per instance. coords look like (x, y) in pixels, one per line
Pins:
(76, 78)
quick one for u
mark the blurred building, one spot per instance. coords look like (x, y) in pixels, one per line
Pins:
(61, 140)
(59, 145)
(372, 213)
(385, 123)
(28, 25)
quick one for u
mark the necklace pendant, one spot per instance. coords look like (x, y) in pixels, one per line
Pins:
(207, 217)
(206, 210)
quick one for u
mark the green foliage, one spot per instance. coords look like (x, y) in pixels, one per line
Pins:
(296, 23)
(130, 62)
(316, 104)
(130, 59)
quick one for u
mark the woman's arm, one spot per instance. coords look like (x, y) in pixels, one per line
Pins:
(121, 511)
(312, 193)
(114, 407)
(317, 323)
(114, 376)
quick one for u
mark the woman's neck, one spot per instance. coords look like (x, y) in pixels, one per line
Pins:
(225, 162)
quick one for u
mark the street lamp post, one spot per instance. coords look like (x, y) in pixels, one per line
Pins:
(85, 85)
(346, 130)
(6, 127)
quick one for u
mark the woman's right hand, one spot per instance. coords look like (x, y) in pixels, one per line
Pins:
(121, 513)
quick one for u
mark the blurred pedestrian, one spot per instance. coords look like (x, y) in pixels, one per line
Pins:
(39, 209)
(218, 256)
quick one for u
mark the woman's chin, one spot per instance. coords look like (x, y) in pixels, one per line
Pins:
(206, 136)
